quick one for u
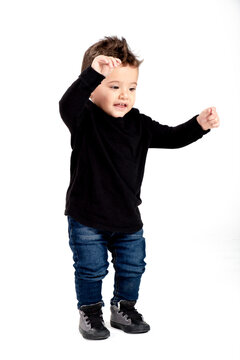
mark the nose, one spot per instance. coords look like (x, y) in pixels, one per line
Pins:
(123, 94)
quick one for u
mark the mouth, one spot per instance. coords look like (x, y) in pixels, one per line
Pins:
(121, 106)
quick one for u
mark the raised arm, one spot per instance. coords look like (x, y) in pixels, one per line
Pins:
(74, 99)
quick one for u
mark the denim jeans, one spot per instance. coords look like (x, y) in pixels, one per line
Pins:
(90, 255)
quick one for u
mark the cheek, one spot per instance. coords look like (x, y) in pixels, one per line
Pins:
(109, 98)
(133, 98)
(103, 99)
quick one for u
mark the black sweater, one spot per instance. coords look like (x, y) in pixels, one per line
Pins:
(108, 157)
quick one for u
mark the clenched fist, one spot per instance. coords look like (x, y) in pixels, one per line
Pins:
(105, 64)
(208, 118)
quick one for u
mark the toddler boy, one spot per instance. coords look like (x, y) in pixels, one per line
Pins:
(110, 140)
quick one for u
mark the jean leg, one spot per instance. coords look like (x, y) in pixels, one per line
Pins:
(128, 254)
(90, 254)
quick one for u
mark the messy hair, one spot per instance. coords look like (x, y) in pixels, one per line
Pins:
(111, 46)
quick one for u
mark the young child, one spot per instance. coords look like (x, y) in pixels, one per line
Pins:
(110, 140)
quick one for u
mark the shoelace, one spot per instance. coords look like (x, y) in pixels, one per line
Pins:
(95, 319)
(132, 314)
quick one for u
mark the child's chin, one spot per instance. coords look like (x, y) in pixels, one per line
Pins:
(117, 114)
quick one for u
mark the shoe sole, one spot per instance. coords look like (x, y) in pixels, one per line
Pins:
(92, 337)
(126, 328)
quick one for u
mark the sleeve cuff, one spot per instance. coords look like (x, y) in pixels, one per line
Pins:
(198, 126)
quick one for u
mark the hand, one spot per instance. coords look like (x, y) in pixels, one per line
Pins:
(105, 64)
(208, 118)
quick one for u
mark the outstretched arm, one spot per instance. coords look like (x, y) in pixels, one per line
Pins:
(172, 137)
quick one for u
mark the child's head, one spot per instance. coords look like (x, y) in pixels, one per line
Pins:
(117, 92)
(111, 46)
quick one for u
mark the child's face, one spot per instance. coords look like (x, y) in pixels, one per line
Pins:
(117, 92)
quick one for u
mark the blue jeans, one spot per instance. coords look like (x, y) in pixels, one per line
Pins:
(90, 255)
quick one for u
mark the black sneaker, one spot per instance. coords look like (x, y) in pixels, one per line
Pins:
(91, 324)
(127, 318)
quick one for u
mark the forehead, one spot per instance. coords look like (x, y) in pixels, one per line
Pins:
(122, 73)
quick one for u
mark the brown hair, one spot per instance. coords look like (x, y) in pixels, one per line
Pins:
(111, 46)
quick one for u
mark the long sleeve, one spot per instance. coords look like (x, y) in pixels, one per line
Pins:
(74, 99)
(172, 137)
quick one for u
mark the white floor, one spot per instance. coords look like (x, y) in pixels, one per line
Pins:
(190, 295)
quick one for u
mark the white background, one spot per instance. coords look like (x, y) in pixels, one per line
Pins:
(190, 292)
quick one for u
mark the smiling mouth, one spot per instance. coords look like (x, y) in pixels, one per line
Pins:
(120, 106)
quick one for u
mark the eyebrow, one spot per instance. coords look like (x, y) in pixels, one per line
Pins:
(115, 81)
